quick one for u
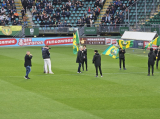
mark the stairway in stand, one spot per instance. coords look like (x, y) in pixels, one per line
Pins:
(103, 11)
(19, 7)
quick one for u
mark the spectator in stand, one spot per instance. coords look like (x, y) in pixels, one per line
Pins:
(11, 13)
(94, 16)
(42, 4)
(23, 12)
(75, 8)
(101, 3)
(80, 4)
(63, 7)
(14, 8)
(50, 23)
(112, 19)
(113, 10)
(3, 11)
(9, 7)
(89, 10)
(54, 23)
(59, 2)
(14, 22)
(121, 16)
(58, 10)
(45, 9)
(72, 5)
(130, 2)
(38, 17)
(116, 3)
(16, 15)
(67, 7)
(123, 8)
(68, 13)
(50, 10)
(103, 19)
(38, 7)
(45, 24)
(25, 20)
(108, 18)
(65, 24)
(119, 2)
(2, 23)
(7, 19)
(25, 4)
(29, 5)
(58, 17)
(12, 18)
(107, 11)
(37, 3)
(4, 4)
(63, 14)
(54, 2)
(49, 17)
(19, 22)
(78, 23)
(45, 17)
(88, 21)
(96, 3)
(54, 16)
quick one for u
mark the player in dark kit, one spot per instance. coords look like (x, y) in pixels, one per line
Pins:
(122, 58)
(97, 62)
(151, 60)
(27, 64)
(84, 57)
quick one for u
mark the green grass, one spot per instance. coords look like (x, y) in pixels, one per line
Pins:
(125, 94)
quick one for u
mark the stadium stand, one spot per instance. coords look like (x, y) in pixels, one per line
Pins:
(65, 13)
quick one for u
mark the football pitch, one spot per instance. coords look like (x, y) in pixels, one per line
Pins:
(119, 94)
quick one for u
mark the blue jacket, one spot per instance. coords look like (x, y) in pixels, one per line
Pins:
(45, 53)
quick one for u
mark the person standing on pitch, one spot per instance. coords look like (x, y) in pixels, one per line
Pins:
(122, 58)
(84, 57)
(151, 59)
(79, 59)
(47, 61)
(97, 62)
(157, 53)
(27, 64)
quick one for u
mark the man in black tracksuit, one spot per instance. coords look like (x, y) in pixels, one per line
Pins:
(97, 62)
(151, 59)
(122, 57)
(84, 57)
(79, 59)
(157, 53)
(27, 64)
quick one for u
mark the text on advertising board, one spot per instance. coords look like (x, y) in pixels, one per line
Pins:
(58, 41)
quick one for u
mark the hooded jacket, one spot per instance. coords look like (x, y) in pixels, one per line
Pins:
(97, 59)
(151, 58)
(45, 53)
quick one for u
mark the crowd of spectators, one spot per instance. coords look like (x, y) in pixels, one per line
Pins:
(111, 17)
(8, 13)
(48, 14)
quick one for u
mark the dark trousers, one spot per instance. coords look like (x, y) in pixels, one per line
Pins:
(28, 70)
(157, 63)
(120, 60)
(149, 68)
(79, 67)
(84, 61)
(99, 70)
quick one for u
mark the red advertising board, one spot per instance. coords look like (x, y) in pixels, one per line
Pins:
(4, 42)
(59, 41)
(146, 43)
